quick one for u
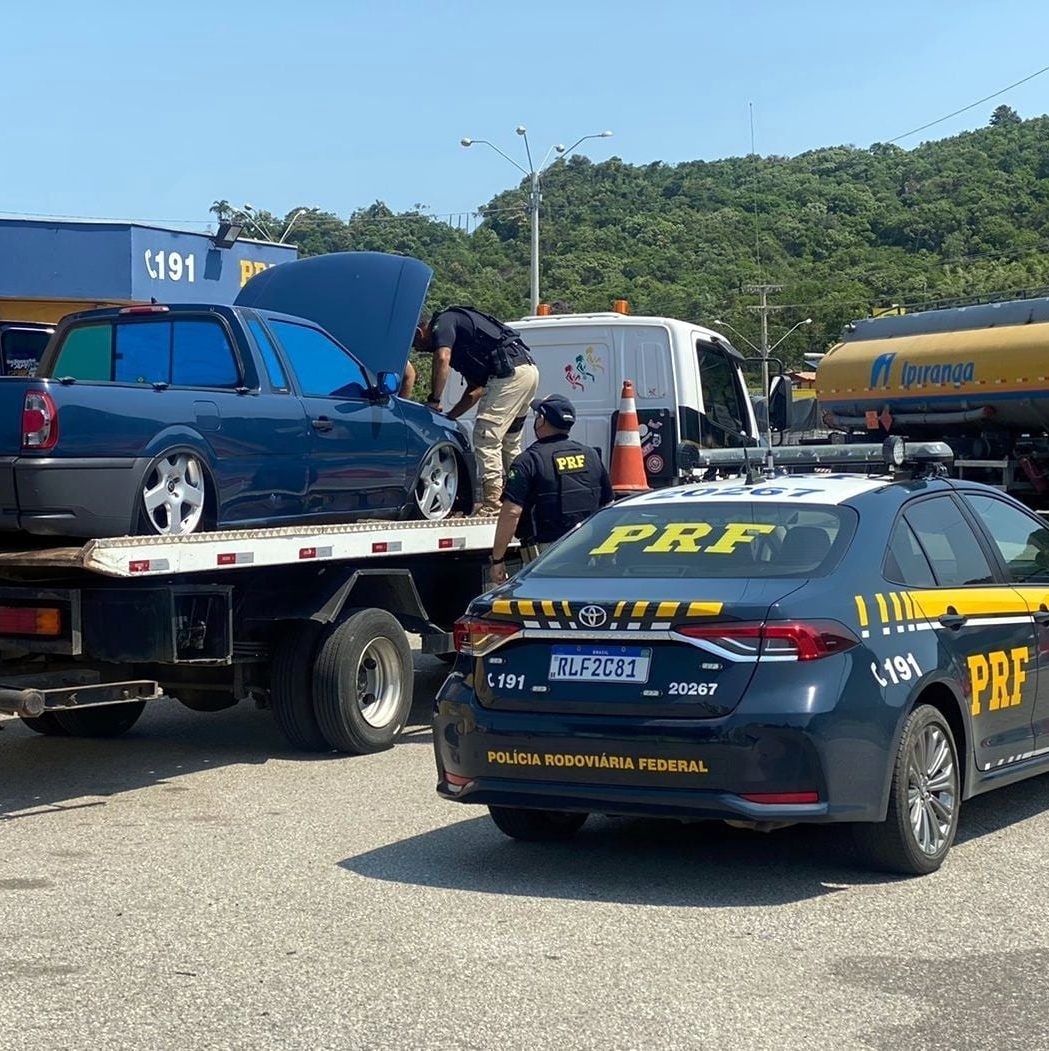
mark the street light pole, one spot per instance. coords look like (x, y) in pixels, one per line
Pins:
(534, 193)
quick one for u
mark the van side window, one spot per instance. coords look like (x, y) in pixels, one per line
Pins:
(722, 396)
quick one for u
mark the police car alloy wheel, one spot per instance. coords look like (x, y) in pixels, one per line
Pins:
(923, 803)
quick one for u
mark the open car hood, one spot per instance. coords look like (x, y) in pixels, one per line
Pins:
(369, 301)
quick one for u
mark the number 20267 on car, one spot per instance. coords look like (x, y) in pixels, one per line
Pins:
(600, 663)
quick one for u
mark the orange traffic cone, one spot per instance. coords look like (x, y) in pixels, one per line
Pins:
(628, 465)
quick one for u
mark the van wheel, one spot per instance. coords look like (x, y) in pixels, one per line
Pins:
(105, 720)
(362, 682)
(923, 802)
(537, 826)
(291, 687)
(174, 495)
(46, 724)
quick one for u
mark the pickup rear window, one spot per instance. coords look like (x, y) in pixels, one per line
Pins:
(190, 352)
(21, 349)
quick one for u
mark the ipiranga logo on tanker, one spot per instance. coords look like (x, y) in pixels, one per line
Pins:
(911, 374)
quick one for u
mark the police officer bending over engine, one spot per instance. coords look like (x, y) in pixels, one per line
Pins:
(555, 484)
(501, 378)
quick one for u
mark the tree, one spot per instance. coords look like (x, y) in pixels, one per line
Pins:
(222, 210)
(1004, 115)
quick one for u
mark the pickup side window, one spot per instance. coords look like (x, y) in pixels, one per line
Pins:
(190, 352)
(86, 354)
(274, 369)
(22, 348)
(201, 355)
(324, 369)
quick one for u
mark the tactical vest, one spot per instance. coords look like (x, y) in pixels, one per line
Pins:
(495, 350)
(568, 490)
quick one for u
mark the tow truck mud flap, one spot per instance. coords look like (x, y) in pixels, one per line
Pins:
(32, 695)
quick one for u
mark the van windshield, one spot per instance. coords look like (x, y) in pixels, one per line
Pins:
(724, 399)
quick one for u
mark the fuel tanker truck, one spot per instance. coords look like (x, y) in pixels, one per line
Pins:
(976, 377)
(966, 387)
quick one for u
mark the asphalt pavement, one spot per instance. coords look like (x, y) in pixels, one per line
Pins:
(198, 885)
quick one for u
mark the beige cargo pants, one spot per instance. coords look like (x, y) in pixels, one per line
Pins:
(497, 442)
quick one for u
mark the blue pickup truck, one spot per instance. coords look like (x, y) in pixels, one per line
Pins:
(277, 410)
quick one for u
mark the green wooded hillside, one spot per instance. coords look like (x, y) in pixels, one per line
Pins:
(841, 229)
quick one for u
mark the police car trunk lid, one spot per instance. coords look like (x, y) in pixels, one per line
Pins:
(671, 656)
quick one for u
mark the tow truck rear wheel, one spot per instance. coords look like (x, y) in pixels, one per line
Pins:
(291, 687)
(105, 720)
(362, 682)
(46, 724)
(537, 826)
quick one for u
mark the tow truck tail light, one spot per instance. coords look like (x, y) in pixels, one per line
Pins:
(39, 421)
(787, 640)
(30, 620)
(476, 636)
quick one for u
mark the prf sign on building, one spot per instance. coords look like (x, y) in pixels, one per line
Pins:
(49, 268)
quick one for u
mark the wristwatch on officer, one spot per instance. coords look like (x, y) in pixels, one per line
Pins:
(431, 400)
(498, 561)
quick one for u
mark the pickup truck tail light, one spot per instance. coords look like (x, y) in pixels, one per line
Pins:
(39, 421)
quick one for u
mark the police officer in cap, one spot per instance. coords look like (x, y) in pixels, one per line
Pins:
(555, 484)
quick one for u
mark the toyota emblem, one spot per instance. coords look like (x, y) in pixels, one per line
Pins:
(592, 616)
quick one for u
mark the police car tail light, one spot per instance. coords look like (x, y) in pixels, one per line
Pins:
(477, 636)
(787, 640)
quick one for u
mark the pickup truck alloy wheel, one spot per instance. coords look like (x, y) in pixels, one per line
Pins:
(362, 682)
(438, 485)
(923, 802)
(173, 494)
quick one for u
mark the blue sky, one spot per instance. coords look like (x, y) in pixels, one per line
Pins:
(124, 110)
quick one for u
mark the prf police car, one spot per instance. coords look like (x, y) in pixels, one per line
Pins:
(806, 648)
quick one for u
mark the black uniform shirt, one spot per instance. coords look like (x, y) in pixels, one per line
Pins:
(559, 483)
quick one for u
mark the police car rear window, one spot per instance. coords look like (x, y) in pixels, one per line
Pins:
(708, 540)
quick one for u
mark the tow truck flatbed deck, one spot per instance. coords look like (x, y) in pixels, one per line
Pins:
(151, 556)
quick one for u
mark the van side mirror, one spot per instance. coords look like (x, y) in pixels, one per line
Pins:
(781, 399)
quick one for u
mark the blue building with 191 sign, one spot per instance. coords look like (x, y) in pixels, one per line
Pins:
(49, 268)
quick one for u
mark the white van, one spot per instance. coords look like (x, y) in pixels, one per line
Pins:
(688, 384)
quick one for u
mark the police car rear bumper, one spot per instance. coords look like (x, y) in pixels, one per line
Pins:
(785, 769)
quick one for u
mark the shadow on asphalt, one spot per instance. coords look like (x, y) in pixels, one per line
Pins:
(169, 741)
(663, 862)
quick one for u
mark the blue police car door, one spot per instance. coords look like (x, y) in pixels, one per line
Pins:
(1022, 541)
(984, 630)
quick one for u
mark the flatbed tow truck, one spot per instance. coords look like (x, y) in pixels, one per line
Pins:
(310, 622)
